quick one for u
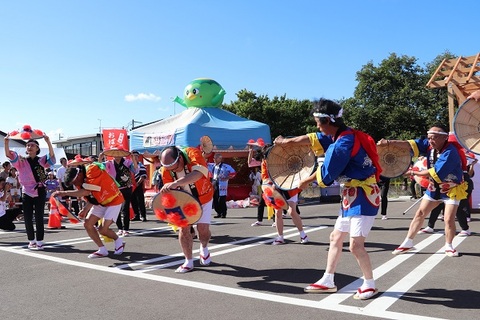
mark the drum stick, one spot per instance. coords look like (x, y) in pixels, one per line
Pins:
(413, 205)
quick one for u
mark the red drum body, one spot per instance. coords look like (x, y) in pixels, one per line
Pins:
(421, 165)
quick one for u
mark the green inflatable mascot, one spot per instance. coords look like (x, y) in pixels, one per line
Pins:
(202, 93)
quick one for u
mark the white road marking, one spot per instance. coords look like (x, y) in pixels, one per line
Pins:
(236, 248)
(347, 291)
(375, 307)
(394, 293)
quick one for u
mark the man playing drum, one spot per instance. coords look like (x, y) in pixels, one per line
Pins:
(445, 162)
(186, 169)
(353, 161)
(103, 201)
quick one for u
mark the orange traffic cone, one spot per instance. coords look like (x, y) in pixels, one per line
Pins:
(54, 218)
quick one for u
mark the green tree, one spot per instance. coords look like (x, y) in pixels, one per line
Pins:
(284, 116)
(391, 100)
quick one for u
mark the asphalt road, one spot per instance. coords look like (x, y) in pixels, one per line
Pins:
(248, 278)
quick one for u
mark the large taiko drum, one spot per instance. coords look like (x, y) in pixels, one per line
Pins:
(288, 164)
(394, 160)
(420, 165)
(177, 207)
(466, 125)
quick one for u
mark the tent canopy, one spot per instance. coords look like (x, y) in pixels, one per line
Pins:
(228, 131)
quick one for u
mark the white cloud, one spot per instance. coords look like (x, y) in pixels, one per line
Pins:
(142, 97)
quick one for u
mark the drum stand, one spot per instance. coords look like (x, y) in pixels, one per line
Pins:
(413, 205)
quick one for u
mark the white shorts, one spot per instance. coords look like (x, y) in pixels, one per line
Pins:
(107, 213)
(446, 201)
(357, 226)
(294, 198)
(206, 213)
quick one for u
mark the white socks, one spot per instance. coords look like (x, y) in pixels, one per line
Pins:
(118, 242)
(368, 284)
(203, 251)
(327, 280)
(188, 263)
(407, 243)
(448, 246)
(102, 250)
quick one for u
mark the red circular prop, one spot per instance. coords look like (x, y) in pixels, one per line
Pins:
(421, 165)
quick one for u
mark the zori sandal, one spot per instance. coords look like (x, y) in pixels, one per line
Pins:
(365, 294)
(318, 288)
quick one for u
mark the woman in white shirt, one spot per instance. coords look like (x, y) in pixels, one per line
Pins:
(15, 190)
(6, 215)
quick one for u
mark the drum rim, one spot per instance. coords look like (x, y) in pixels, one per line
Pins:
(455, 126)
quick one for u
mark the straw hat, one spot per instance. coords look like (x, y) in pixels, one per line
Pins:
(287, 165)
(394, 161)
(26, 133)
(78, 161)
(177, 207)
(273, 198)
(259, 143)
(116, 152)
(466, 125)
(155, 154)
(206, 144)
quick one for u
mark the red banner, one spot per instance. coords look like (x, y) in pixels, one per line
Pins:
(115, 138)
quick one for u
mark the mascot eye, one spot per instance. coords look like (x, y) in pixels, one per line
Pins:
(187, 92)
(196, 91)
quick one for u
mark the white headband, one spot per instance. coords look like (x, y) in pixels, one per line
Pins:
(437, 132)
(331, 116)
(171, 164)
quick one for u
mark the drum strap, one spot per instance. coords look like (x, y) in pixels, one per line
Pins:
(368, 144)
(193, 188)
(437, 186)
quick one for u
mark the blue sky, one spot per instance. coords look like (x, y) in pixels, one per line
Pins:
(69, 67)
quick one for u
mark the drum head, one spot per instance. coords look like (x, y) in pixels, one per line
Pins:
(466, 125)
(273, 198)
(206, 144)
(394, 160)
(177, 207)
(421, 165)
(287, 165)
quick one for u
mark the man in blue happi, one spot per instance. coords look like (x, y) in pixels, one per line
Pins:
(351, 159)
(446, 162)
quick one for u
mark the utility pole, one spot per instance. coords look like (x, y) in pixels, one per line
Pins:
(135, 122)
